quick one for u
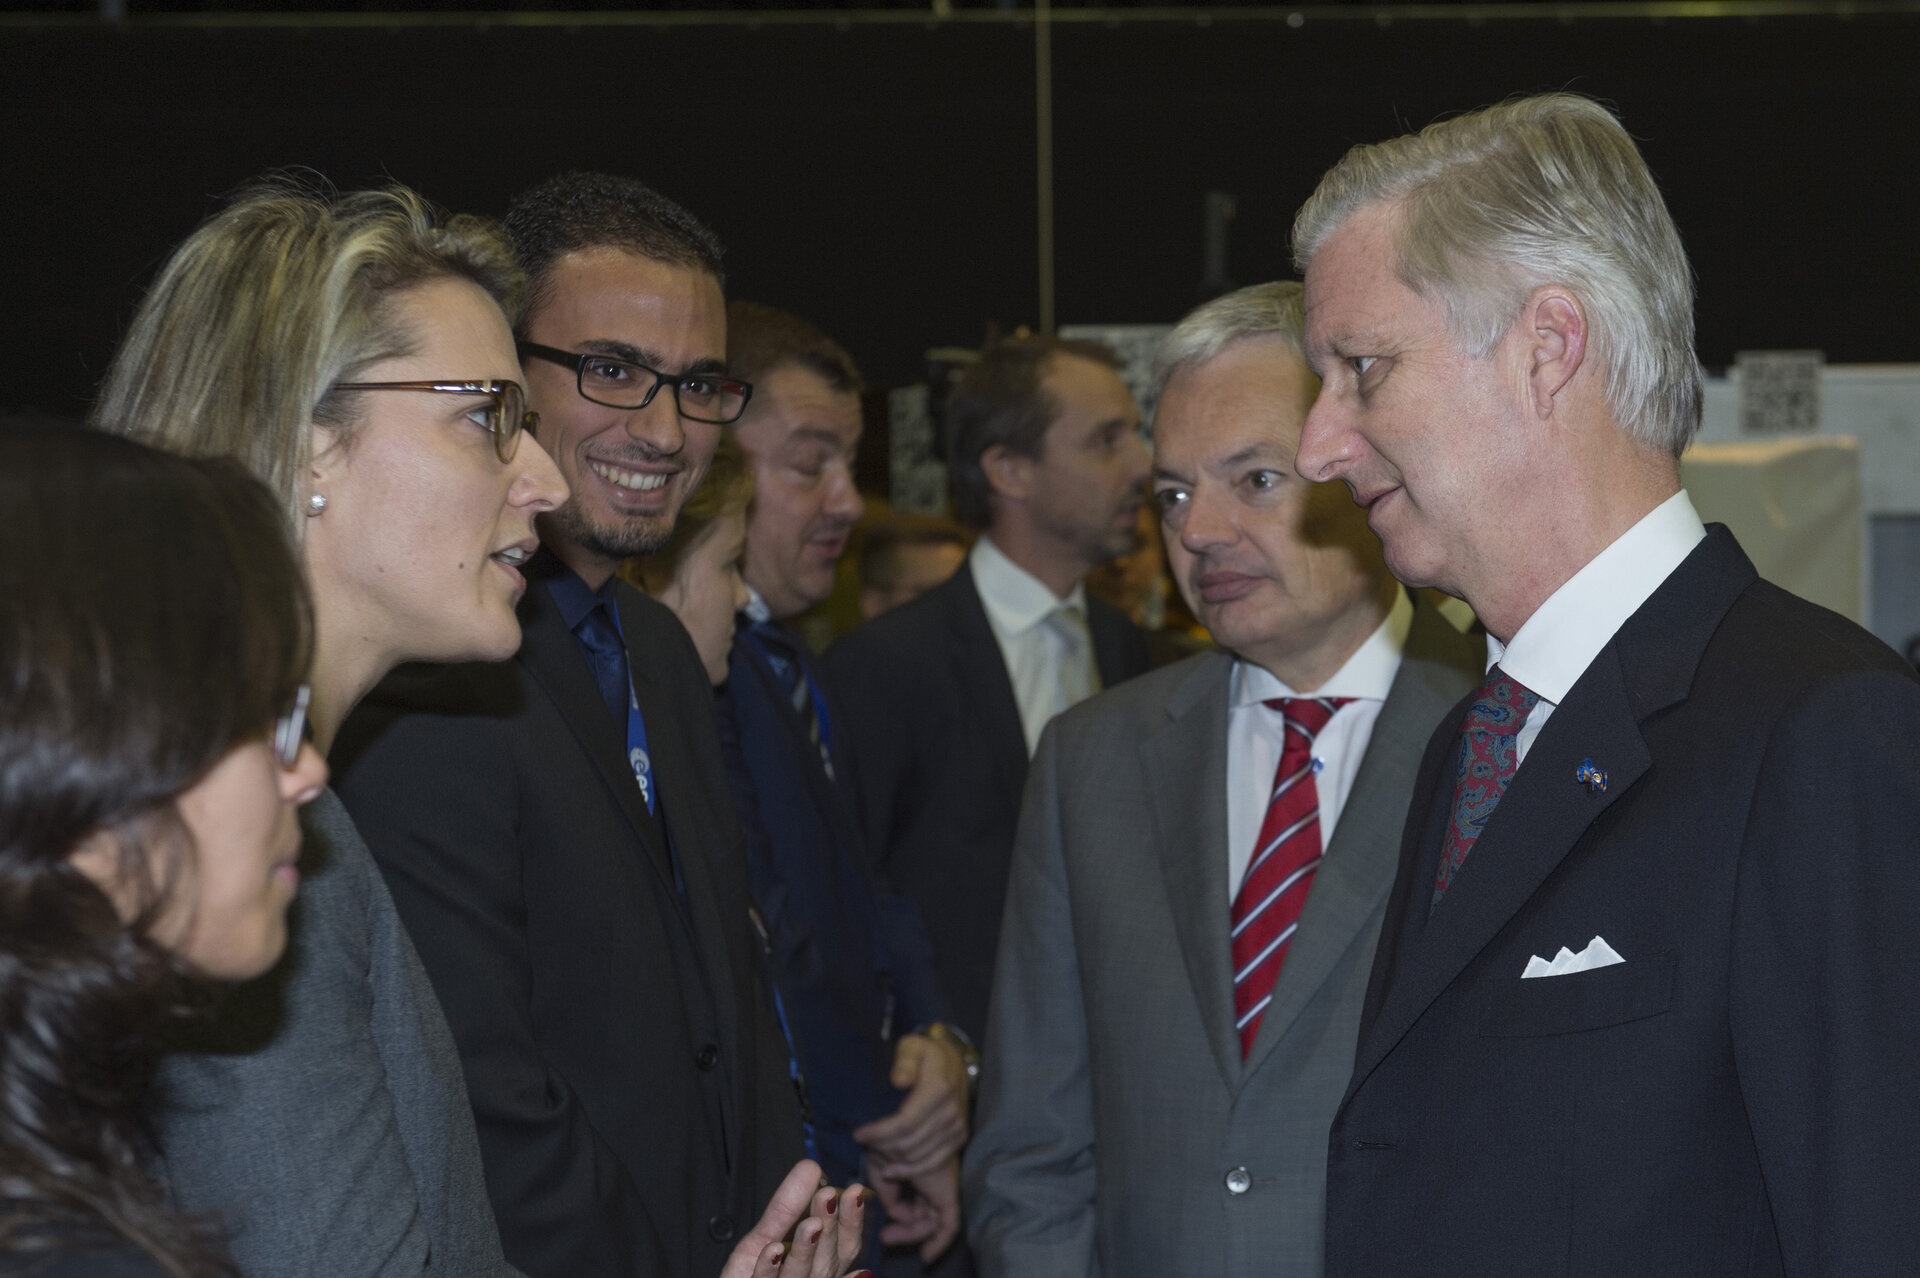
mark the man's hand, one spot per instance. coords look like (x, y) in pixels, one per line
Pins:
(827, 1241)
(931, 1217)
(930, 1127)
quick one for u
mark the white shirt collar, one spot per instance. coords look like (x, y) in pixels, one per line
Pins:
(756, 609)
(1015, 599)
(1554, 647)
(1367, 674)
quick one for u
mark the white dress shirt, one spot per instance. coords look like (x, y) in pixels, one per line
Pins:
(756, 607)
(1554, 646)
(1036, 652)
(1255, 736)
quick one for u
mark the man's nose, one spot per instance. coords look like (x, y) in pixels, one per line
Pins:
(1325, 443)
(658, 425)
(1206, 524)
(843, 496)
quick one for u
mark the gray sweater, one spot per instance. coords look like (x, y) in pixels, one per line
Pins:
(321, 1114)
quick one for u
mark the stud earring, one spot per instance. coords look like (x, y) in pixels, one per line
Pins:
(315, 504)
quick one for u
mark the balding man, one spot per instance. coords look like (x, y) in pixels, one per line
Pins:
(1640, 1004)
(1181, 968)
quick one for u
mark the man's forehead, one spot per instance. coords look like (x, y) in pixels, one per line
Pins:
(813, 408)
(1084, 382)
(625, 296)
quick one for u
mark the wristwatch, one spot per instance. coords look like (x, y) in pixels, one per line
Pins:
(956, 1038)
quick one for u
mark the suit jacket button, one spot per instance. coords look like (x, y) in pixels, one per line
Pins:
(707, 1057)
(720, 1229)
(1238, 1181)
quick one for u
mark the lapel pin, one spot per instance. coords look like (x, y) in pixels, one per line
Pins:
(1593, 778)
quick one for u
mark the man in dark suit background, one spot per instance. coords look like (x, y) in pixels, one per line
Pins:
(1181, 970)
(888, 1080)
(557, 830)
(944, 697)
(1640, 999)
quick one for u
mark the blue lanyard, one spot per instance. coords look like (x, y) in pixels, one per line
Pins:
(820, 714)
(637, 757)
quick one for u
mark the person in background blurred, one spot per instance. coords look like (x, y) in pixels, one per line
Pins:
(903, 555)
(943, 698)
(697, 572)
(888, 1074)
(154, 640)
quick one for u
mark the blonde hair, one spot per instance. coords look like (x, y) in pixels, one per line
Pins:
(726, 489)
(1259, 310)
(1541, 190)
(238, 346)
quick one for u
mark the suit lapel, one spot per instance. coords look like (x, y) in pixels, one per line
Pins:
(1547, 808)
(979, 666)
(1358, 871)
(1185, 763)
(552, 656)
(1544, 813)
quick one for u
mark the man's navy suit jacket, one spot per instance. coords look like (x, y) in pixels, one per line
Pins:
(939, 760)
(597, 963)
(851, 957)
(1736, 1096)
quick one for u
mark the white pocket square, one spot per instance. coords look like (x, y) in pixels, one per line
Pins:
(1597, 954)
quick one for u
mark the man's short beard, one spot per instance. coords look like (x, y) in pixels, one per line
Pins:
(645, 535)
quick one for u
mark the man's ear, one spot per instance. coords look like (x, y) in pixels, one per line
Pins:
(1009, 474)
(1555, 328)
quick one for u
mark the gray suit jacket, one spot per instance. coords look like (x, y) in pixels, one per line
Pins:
(1114, 1102)
(321, 1116)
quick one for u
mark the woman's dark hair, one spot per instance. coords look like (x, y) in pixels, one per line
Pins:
(152, 617)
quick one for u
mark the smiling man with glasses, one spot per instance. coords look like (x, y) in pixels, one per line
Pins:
(557, 831)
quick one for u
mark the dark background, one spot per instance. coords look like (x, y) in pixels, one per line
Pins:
(876, 172)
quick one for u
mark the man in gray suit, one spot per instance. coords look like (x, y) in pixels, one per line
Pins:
(1181, 970)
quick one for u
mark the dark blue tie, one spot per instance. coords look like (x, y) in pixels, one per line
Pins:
(784, 657)
(608, 657)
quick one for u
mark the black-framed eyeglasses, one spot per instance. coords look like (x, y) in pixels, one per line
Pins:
(290, 729)
(507, 413)
(618, 383)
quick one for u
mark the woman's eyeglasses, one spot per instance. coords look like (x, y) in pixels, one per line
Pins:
(290, 729)
(507, 413)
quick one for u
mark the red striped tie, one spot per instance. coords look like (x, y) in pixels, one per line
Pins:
(1267, 909)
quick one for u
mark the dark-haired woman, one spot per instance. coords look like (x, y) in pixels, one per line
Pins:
(154, 639)
(355, 352)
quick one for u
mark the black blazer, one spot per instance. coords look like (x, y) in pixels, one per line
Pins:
(1733, 1098)
(851, 956)
(628, 1080)
(938, 761)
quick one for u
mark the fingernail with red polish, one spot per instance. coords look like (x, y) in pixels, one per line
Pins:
(779, 1257)
(833, 1204)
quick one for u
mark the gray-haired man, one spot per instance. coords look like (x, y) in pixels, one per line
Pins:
(1181, 969)
(1641, 1001)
